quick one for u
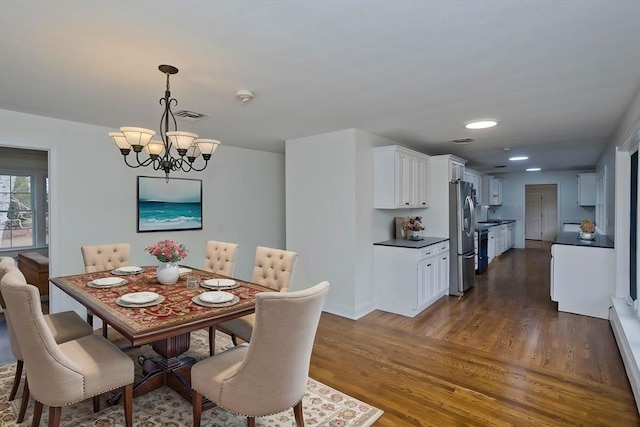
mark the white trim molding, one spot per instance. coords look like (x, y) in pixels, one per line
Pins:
(626, 329)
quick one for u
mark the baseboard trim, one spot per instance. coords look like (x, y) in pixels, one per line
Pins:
(625, 324)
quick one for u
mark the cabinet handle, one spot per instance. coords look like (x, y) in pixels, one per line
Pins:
(428, 265)
(406, 203)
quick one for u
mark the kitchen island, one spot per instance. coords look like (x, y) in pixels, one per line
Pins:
(583, 274)
(410, 275)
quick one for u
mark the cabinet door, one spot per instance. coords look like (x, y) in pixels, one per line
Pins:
(443, 273)
(495, 191)
(587, 189)
(427, 281)
(403, 180)
(422, 174)
(491, 244)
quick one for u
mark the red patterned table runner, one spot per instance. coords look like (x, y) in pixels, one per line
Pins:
(177, 308)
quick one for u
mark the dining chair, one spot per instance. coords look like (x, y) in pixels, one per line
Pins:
(102, 258)
(65, 373)
(273, 268)
(65, 326)
(220, 257)
(269, 374)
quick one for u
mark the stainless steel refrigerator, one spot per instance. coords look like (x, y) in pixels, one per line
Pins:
(461, 229)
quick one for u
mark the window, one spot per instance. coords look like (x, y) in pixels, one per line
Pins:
(23, 210)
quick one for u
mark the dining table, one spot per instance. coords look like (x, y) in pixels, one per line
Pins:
(165, 323)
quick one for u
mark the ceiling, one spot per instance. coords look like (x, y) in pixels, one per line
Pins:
(557, 75)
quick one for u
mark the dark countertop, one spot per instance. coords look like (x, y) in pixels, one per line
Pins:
(413, 244)
(483, 225)
(571, 238)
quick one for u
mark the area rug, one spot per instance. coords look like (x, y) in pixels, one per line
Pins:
(323, 406)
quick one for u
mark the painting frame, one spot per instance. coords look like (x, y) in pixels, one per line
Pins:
(173, 204)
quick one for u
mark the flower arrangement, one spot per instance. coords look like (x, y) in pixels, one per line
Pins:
(586, 226)
(413, 223)
(168, 251)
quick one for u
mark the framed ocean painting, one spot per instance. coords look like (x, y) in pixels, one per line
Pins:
(169, 206)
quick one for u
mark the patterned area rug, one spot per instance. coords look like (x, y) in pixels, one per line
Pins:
(323, 406)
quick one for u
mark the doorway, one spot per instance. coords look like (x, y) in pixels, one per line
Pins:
(541, 213)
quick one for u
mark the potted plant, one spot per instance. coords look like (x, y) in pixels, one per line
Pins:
(587, 229)
(168, 253)
(411, 226)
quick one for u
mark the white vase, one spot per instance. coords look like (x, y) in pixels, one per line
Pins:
(168, 273)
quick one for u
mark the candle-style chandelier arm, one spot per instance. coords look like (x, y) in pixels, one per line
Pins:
(186, 144)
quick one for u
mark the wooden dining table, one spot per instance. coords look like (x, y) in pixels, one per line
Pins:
(166, 325)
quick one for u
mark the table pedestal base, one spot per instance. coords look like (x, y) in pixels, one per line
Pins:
(170, 369)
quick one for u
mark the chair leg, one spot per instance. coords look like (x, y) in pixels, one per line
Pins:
(297, 413)
(96, 404)
(54, 416)
(104, 329)
(25, 401)
(234, 339)
(212, 340)
(90, 317)
(128, 405)
(196, 398)
(37, 413)
(16, 379)
(251, 422)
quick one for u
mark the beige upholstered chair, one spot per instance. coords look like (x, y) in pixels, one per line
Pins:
(64, 326)
(268, 375)
(103, 258)
(220, 257)
(273, 268)
(62, 374)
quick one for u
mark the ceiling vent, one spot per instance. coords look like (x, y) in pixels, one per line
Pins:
(190, 116)
(462, 141)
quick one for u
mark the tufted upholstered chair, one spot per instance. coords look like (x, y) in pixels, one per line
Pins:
(103, 258)
(64, 326)
(273, 268)
(62, 374)
(268, 375)
(220, 257)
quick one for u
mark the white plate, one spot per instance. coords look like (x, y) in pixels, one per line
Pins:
(139, 297)
(183, 270)
(216, 297)
(219, 283)
(107, 281)
(129, 269)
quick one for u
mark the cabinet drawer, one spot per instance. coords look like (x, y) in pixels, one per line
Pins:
(433, 250)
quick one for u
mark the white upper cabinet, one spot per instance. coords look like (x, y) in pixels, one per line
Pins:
(456, 169)
(474, 178)
(493, 190)
(400, 178)
(587, 189)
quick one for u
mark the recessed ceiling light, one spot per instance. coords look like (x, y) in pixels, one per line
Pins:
(533, 169)
(518, 158)
(481, 124)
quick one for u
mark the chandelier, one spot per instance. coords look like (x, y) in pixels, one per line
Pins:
(161, 154)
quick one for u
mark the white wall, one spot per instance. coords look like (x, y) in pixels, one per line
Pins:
(93, 197)
(513, 199)
(330, 217)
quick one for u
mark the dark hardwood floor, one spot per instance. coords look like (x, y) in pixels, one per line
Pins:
(502, 355)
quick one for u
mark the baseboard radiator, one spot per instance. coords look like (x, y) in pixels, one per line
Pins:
(625, 325)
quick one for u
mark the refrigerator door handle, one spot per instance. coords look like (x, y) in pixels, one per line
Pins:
(473, 255)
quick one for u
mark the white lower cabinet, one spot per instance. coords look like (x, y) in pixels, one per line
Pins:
(408, 280)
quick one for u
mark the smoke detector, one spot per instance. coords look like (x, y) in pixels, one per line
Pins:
(245, 96)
